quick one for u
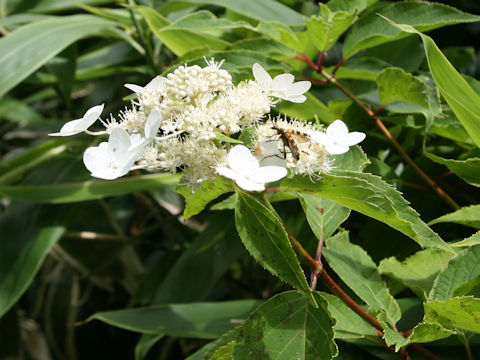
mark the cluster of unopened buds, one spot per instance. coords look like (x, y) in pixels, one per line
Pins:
(190, 120)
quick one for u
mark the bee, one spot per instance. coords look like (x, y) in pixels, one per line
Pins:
(290, 139)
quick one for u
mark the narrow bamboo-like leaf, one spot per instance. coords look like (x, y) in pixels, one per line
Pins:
(456, 313)
(328, 26)
(265, 238)
(468, 215)
(370, 31)
(460, 96)
(206, 320)
(287, 326)
(395, 84)
(418, 271)
(53, 6)
(269, 10)
(359, 272)
(459, 277)
(370, 195)
(87, 190)
(12, 169)
(29, 232)
(197, 200)
(348, 324)
(468, 170)
(29, 47)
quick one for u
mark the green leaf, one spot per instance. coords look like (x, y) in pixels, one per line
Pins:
(328, 26)
(209, 190)
(206, 320)
(352, 6)
(354, 160)
(63, 67)
(12, 169)
(265, 238)
(348, 325)
(280, 32)
(361, 68)
(370, 30)
(468, 170)
(459, 277)
(393, 337)
(287, 326)
(32, 231)
(468, 215)
(190, 32)
(456, 91)
(308, 110)
(359, 272)
(87, 190)
(222, 137)
(323, 216)
(29, 47)
(426, 332)
(456, 313)
(371, 196)
(268, 10)
(395, 84)
(470, 241)
(418, 271)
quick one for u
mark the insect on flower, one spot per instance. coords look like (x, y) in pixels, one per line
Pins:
(290, 139)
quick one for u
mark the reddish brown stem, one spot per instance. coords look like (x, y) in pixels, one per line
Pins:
(340, 63)
(321, 56)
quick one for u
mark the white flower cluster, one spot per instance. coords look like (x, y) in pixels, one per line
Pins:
(182, 122)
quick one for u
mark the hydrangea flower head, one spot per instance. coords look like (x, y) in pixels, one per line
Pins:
(79, 125)
(247, 172)
(336, 139)
(281, 86)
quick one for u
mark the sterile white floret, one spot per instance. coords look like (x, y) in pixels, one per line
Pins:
(336, 139)
(79, 125)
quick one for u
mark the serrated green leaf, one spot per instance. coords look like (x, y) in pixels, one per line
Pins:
(459, 95)
(426, 332)
(265, 238)
(287, 326)
(206, 320)
(328, 26)
(361, 68)
(353, 160)
(468, 215)
(393, 337)
(470, 241)
(348, 325)
(395, 84)
(370, 30)
(359, 272)
(29, 47)
(87, 190)
(370, 195)
(456, 313)
(196, 201)
(418, 271)
(352, 6)
(461, 270)
(280, 32)
(468, 170)
(323, 216)
(30, 238)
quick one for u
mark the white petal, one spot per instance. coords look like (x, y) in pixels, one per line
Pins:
(320, 137)
(135, 88)
(242, 161)
(261, 75)
(337, 130)
(152, 124)
(250, 185)
(68, 129)
(268, 174)
(336, 149)
(90, 117)
(156, 83)
(296, 99)
(229, 173)
(137, 142)
(118, 145)
(97, 159)
(299, 88)
(353, 138)
(282, 81)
